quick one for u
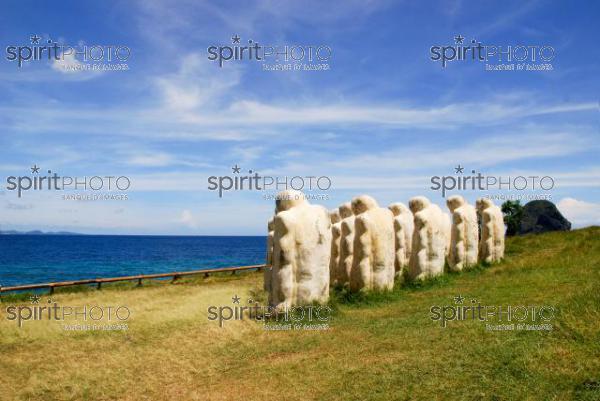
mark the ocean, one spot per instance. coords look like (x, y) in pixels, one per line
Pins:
(31, 259)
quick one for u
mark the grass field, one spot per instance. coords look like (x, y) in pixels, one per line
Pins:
(379, 347)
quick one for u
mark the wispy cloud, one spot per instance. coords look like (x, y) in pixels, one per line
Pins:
(488, 151)
(194, 87)
(579, 212)
(151, 160)
(246, 119)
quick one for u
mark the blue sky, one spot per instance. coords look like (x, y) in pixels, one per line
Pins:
(382, 120)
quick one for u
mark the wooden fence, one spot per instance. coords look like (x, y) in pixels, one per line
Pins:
(99, 281)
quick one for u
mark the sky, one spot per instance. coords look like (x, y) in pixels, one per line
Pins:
(382, 119)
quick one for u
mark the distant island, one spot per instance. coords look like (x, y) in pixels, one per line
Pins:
(37, 232)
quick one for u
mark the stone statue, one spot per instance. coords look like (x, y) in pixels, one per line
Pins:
(491, 246)
(269, 262)
(464, 236)
(301, 252)
(373, 265)
(430, 239)
(403, 231)
(336, 234)
(346, 244)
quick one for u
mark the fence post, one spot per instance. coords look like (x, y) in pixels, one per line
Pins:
(98, 281)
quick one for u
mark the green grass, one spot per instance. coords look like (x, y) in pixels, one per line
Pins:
(381, 346)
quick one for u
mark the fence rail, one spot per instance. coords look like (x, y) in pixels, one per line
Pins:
(139, 278)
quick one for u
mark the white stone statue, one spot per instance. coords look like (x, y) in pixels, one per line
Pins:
(491, 245)
(269, 262)
(447, 231)
(301, 252)
(346, 244)
(373, 266)
(430, 239)
(464, 237)
(403, 231)
(336, 233)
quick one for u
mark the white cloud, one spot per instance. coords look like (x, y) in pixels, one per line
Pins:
(69, 66)
(137, 215)
(488, 151)
(151, 160)
(67, 63)
(169, 23)
(580, 213)
(188, 219)
(578, 179)
(192, 108)
(172, 181)
(194, 86)
(52, 213)
(246, 154)
(482, 113)
(163, 159)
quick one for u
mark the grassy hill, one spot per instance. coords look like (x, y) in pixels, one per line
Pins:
(378, 347)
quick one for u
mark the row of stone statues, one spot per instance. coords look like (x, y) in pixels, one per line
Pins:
(366, 247)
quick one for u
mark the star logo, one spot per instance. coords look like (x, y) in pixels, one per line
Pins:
(235, 39)
(35, 169)
(459, 299)
(235, 299)
(459, 39)
(473, 301)
(459, 169)
(236, 169)
(35, 40)
(35, 299)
